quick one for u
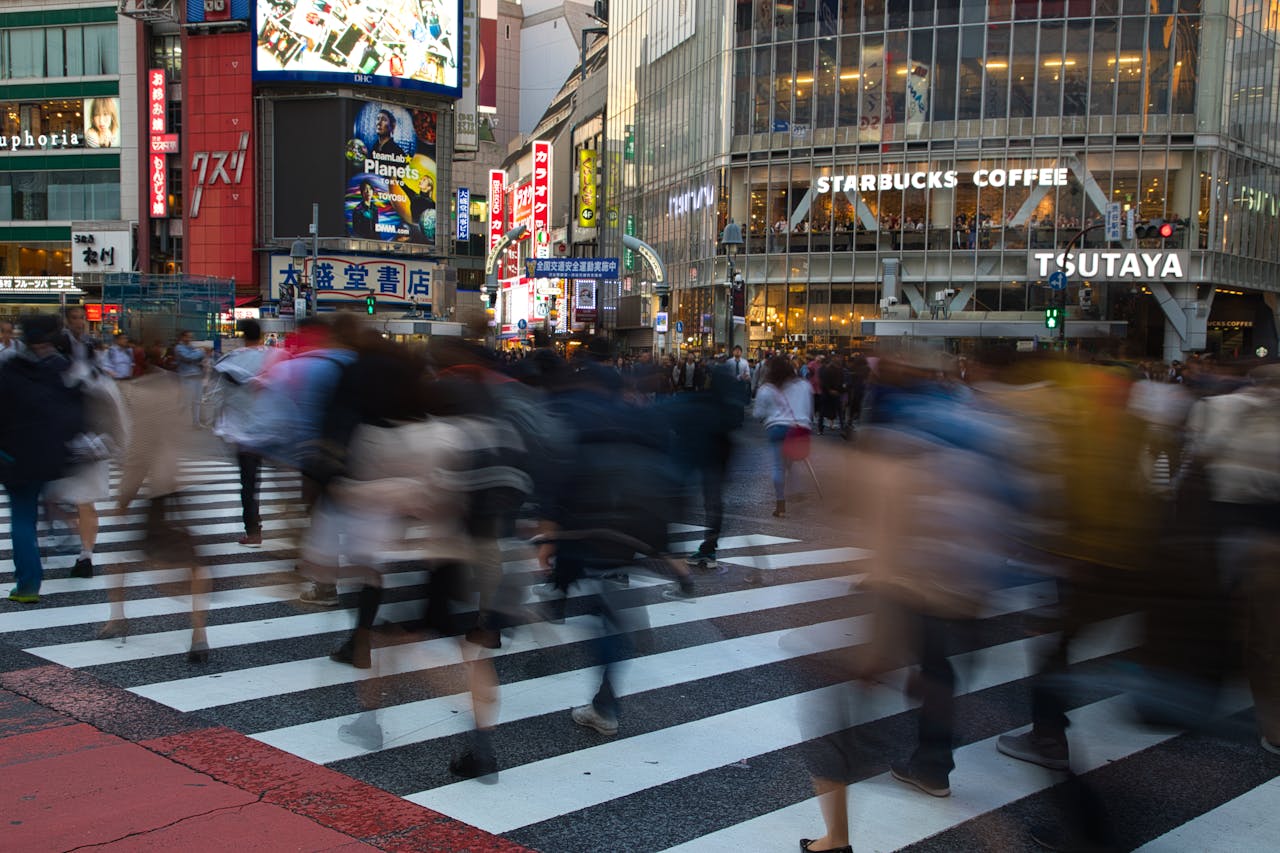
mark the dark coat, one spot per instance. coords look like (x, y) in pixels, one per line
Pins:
(39, 416)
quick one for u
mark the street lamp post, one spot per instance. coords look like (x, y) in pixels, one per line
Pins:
(490, 286)
(298, 254)
(1065, 256)
(731, 239)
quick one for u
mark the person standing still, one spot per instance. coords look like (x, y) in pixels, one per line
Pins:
(119, 358)
(190, 361)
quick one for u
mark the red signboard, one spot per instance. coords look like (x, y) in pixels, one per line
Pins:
(94, 311)
(542, 198)
(164, 143)
(159, 188)
(158, 185)
(156, 100)
(218, 173)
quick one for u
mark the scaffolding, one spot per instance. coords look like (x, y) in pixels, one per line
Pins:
(152, 307)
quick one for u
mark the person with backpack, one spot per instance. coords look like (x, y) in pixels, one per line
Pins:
(41, 415)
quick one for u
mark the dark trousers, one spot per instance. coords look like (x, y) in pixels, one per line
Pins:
(24, 509)
(715, 470)
(937, 689)
(250, 466)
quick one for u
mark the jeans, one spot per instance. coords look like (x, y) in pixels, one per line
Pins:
(24, 509)
(776, 434)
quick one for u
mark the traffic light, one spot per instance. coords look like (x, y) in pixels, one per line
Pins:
(1165, 230)
(370, 303)
(1052, 317)
(1156, 229)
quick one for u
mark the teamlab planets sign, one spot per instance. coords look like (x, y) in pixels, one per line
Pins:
(391, 168)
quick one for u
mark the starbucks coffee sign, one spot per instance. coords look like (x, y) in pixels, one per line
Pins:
(1102, 265)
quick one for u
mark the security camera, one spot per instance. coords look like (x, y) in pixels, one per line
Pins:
(888, 302)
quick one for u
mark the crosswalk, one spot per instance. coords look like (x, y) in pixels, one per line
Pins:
(720, 696)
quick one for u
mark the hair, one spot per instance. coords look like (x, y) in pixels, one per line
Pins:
(251, 329)
(104, 107)
(391, 120)
(778, 370)
(71, 309)
(366, 183)
(39, 328)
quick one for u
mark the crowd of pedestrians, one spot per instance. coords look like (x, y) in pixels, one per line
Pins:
(1127, 487)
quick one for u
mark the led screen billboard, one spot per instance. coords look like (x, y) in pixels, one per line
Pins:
(412, 44)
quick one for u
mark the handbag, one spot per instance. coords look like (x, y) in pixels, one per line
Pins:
(795, 444)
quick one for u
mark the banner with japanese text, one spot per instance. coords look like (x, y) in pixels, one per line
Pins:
(343, 278)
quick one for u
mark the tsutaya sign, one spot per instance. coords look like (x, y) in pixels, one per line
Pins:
(1097, 265)
(940, 180)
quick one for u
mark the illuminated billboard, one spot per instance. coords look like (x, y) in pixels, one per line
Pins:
(391, 179)
(413, 44)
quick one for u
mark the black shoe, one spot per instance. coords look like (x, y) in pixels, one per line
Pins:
(83, 568)
(351, 652)
(485, 638)
(199, 653)
(116, 629)
(470, 766)
(805, 842)
(1064, 842)
(933, 786)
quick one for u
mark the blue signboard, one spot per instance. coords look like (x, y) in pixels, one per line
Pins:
(400, 45)
(1058, 280)
(575, 268)
(464, 214)
(679, 326)
(213, 11)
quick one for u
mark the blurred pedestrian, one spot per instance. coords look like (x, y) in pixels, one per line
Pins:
(40, 416)
(190, 361)
(783, 402)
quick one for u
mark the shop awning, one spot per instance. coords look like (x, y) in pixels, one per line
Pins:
(249, 301)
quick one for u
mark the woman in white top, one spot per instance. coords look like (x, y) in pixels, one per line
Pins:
(783, 401)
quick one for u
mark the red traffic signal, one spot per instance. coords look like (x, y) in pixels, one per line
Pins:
(1166, 229)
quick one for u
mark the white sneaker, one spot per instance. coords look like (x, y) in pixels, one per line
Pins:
(588, 716)
(320, 595)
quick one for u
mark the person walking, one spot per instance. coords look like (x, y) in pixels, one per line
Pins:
(783, 401)
(190, 360)
(9, 345)
(238, 376)
(119, 360)
(41, 415)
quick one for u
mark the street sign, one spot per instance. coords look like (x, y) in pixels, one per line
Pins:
(679, 326)
(464, 215)
(596, 268)
(1113, 220)
(1058, 280)
(1130, 222)
(660, 322)
(522, 324)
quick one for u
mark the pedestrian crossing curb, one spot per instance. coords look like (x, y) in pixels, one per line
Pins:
(327, 797)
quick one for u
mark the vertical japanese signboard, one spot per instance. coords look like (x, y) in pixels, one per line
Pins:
(497, 210)
(158, 192)
(587, 189)
(542, 198)
(464, 215)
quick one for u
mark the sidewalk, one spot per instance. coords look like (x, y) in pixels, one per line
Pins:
(84, 765)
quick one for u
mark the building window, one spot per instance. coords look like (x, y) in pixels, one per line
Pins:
(59, 196)
(76, 51)
(166, 53)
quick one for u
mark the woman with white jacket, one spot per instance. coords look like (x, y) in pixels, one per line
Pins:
(783, 401)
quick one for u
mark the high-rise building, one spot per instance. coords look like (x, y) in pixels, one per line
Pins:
(921, 167)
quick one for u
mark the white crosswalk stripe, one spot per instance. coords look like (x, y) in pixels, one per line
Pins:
(778, 605)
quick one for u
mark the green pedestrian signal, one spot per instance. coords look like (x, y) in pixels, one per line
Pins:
(370, 303)
(1052, 317)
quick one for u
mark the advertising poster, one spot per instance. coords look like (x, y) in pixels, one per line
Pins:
(870, 128)
(413, 44)
(586, 189)
(391, 180)
(487, 73)
(917, 98)
(102, 122)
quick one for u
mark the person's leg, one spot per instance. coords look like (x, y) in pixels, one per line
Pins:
(776, 434)
(833, 799)
(87, 527)
(24, 509)
(713, 478)
(933, 756)
(250, 465)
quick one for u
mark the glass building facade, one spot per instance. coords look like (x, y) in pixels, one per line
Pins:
(955, 138)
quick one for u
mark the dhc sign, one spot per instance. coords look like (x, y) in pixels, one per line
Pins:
(1097, 265)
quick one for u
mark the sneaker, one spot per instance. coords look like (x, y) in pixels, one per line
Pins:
(1057, 840)
(701, 560)
(469, 765)
(83, 568)
(250, 540)
(1270, 746)
(932, 787)
(1046, 751)
(24, 597)
(364, 733)
(682, 591)
(588, 716)
(321, 595)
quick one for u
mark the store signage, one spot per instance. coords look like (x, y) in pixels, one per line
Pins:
(159, 183)
(101, 251)
(679, 205)
(940, 180)
(497, 206)
(584, 300)
(348, 278)
(542, 194)
(210, 167)
(1259, 200)
(1113, 266)
(164, 143)
(36, 285)
(19, 141)
(587, 189)
(464, 215)
(159, 187)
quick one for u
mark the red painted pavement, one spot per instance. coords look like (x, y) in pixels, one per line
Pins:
(87, 763)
